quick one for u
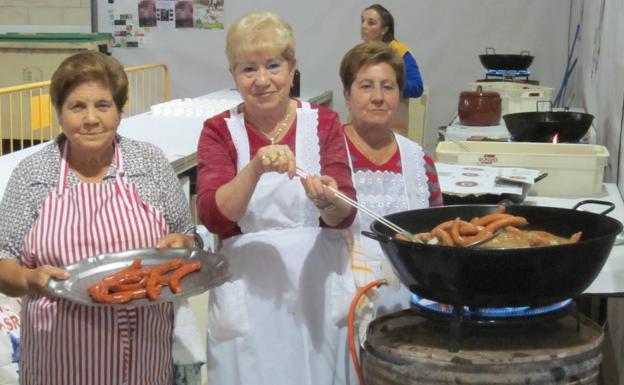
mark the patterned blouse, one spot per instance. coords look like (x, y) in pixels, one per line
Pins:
(37, 175)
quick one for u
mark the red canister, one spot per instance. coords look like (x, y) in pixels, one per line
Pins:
(479, 108)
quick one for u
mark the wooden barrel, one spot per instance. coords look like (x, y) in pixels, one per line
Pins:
(403, 348)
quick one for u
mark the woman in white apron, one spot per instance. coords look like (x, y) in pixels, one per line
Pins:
(89, 192)
(281, 318)
(390, 172)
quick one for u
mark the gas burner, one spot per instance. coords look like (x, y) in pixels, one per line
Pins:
(494, 313)
(511, 80)
(458, 316)
(554, 140)
(508, 74)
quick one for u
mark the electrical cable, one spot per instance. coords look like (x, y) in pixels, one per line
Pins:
(564, 83)
(619, 155)
(350, 324)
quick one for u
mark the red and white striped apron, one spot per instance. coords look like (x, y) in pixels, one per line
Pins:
(65, 343)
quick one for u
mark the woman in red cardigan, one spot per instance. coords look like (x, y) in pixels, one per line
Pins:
(281, 318)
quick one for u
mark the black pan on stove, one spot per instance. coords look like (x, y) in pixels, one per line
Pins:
(509, 62)
(543, 126)
(500, 277)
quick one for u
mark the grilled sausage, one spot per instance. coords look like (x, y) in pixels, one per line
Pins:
(174, 279)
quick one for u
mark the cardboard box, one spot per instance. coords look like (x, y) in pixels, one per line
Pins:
(33, 57)
(574, 170)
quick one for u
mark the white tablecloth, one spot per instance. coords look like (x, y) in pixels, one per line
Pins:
(611, 278)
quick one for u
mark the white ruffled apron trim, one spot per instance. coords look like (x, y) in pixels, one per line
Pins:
(292, 211)
(291, 275)
(384, 193)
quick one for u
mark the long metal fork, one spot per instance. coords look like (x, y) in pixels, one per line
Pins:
(363, 209)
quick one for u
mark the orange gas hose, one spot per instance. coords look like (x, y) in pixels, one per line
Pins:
(350, 322)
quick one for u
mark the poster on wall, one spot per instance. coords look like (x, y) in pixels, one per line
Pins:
(165, 14)
(208, 14)
(184, 14)
(147, 13)
(126, 31)
(133, 20)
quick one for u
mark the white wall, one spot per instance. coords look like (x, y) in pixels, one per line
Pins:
(598, 81)
(445, 36)
(598, 85)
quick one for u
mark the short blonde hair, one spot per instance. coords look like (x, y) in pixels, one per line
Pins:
(259, 32)
(87, 66)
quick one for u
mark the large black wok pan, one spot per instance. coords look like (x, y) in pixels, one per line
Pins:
(543, 126)
(499, 277)
(515, 62)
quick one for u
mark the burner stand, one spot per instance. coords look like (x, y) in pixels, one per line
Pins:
(458, 319)
(507, 74)
(406, 348)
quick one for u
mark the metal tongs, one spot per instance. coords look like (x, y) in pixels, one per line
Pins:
(486, 239)
(365, 210)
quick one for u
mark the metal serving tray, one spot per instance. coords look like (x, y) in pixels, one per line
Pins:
(213, 273)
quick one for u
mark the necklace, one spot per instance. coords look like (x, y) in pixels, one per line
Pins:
(282, 127)
(377, 156)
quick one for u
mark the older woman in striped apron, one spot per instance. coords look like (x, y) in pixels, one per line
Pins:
(86, 193)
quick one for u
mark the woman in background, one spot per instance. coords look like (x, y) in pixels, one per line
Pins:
(377, 24)
(281, 318)
(390, 172)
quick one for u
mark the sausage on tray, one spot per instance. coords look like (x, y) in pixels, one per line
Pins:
(135, 282)
(176, 276)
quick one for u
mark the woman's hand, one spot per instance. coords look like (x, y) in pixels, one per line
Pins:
(276, 158)
(319, 190)
(176, 240)
(37, 278)
(316, 188)
(17, 280)
(233, 197)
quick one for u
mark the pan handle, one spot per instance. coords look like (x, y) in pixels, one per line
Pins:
(540, 177)
(506, 202)
(377, 237)
(487, 51)
(597, 202)
(537, 104)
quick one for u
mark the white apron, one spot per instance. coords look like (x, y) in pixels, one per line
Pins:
(386, 193)
(281, 319)
(64, 343)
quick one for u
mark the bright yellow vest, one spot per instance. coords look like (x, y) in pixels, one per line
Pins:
(399, 47)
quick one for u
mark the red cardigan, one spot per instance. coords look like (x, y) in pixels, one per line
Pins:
(216, 164)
